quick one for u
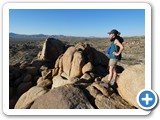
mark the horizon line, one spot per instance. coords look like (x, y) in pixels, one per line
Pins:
(73, 35)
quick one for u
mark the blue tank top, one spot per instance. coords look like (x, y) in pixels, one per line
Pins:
(114, 48)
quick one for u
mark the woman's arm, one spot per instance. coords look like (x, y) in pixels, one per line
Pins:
(116, 42)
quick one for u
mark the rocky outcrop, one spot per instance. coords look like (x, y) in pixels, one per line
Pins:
(64, 97)
(68, 78)
(130, 82)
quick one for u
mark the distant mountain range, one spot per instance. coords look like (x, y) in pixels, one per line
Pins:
(13, 36)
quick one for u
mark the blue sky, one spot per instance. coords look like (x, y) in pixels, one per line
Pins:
(77, 22)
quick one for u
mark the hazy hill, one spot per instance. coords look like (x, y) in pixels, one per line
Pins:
(14, 36)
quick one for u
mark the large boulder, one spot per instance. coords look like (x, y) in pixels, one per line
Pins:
(130, 82)
(52, 48)
(67, 60)
(64, 97)
(73, 62)
(77, 64)
(26, 100)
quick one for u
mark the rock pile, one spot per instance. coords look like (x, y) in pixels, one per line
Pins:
(63, 77)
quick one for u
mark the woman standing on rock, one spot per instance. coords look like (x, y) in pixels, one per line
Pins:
(114, 52)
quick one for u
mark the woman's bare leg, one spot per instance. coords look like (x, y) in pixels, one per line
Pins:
(111, 71)
(114, 76)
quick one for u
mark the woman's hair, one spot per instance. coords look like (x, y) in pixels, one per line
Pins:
(119, 37)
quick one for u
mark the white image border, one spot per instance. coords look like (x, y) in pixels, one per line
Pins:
(9, 6)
